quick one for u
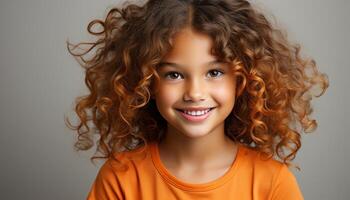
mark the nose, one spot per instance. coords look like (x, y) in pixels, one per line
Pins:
(194, 90)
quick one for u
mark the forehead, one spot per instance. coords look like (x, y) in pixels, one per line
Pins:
(187, 39)
(164, 64)
(189, 48)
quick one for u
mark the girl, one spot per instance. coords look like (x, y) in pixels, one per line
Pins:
(194, 99)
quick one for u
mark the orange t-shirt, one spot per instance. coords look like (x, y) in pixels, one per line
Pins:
(249, 177)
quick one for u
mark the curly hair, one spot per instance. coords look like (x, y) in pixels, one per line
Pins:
(276, 84)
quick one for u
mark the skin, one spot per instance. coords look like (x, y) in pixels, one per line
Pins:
(195, 152)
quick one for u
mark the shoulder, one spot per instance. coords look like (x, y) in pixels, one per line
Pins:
(106, 184)
(260, 164)
(273, 175)
(127, 161)
(118, 174)
(254, 159)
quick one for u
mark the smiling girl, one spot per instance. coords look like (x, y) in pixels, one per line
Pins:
(195, 99)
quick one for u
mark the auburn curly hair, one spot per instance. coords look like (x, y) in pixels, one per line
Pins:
(276, 84)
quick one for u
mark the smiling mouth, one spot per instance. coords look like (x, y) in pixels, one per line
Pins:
(195, 116)
(195, 112)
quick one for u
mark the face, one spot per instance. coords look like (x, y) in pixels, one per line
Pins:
(196, 91)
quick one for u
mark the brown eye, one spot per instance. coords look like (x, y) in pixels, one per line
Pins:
(172, 75)
(215, 73)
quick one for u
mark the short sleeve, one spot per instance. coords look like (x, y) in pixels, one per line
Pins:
(106, 185)
(285, 186)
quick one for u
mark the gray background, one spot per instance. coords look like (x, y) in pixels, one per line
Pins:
(39, 81)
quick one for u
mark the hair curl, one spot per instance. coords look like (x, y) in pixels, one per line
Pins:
(276, 84)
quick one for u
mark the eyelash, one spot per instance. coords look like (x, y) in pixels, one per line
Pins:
(174, 72)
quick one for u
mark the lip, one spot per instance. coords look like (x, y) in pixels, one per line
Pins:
(192, 118)
(195, 108)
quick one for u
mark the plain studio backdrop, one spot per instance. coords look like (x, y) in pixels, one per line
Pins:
(39, 81)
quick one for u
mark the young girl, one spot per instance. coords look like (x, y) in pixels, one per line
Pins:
(194, 99)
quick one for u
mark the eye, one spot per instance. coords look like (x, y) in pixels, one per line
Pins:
(215, 73)
(172, 75)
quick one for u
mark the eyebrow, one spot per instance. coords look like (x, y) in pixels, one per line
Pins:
(162, 64)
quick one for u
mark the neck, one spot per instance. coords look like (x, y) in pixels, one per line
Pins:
(214, 149)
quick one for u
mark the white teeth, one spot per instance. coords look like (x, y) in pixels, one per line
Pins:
(196, 113)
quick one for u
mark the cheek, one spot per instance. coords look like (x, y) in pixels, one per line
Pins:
(225, 96)
(166, 96)
(225, 93)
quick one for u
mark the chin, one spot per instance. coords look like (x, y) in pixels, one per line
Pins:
(193, 134)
